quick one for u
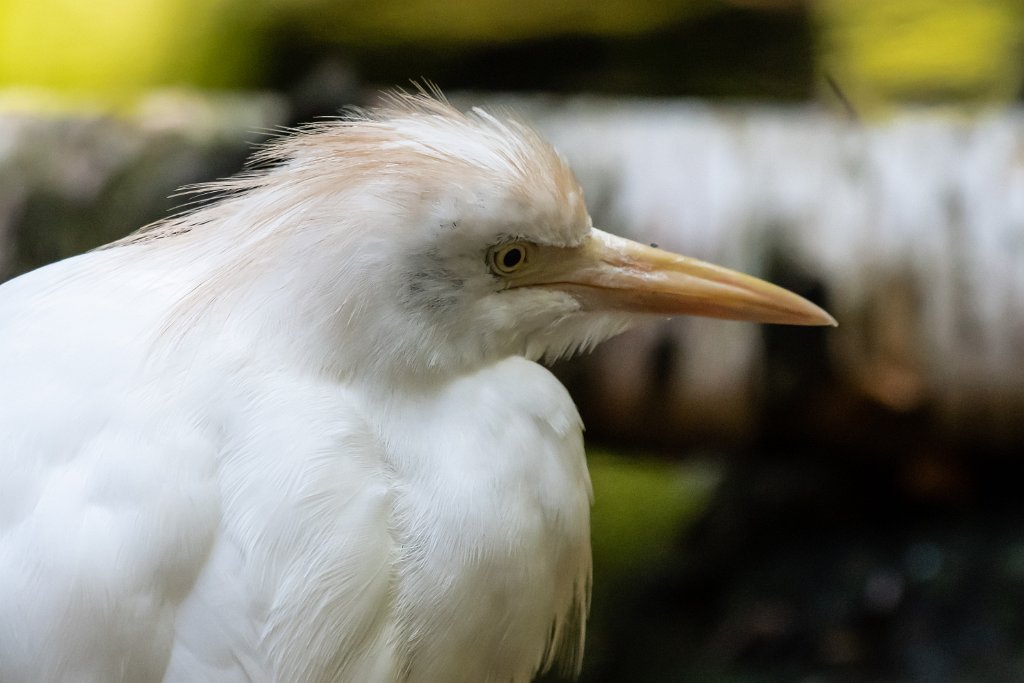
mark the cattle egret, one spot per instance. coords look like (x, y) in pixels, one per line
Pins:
(298, 434)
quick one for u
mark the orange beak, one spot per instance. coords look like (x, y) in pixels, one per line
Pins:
(615, 274)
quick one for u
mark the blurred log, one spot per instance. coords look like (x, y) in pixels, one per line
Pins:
(910, 231)
(72, 182)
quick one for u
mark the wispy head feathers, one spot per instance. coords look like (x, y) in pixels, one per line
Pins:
(418, 137)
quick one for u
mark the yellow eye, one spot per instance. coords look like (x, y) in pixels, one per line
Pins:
(508, 258)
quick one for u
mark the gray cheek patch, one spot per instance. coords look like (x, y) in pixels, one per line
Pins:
(430, 286)
(423, 291)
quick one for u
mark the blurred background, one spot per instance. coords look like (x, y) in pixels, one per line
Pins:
(773, 504)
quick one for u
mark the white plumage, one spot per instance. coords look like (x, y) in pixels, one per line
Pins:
(297, 434)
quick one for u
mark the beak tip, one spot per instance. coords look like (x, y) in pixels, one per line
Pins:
(821, 318)
(816, 316)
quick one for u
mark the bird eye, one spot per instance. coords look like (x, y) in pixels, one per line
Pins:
(508, 258)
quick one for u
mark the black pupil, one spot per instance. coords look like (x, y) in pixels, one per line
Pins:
(512, 258)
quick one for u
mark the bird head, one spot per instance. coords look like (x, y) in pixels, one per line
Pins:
(420, 238)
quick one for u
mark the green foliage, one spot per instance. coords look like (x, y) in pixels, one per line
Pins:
(878, 51)
(111, 50)
(642, 506)
(391, 22)
(922, 50)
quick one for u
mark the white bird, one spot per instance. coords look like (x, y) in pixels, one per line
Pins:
(298, 434)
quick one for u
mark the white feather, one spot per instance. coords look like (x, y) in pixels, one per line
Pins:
(289, 437)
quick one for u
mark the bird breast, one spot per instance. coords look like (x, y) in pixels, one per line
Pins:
(430, 535)
(492, 523)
